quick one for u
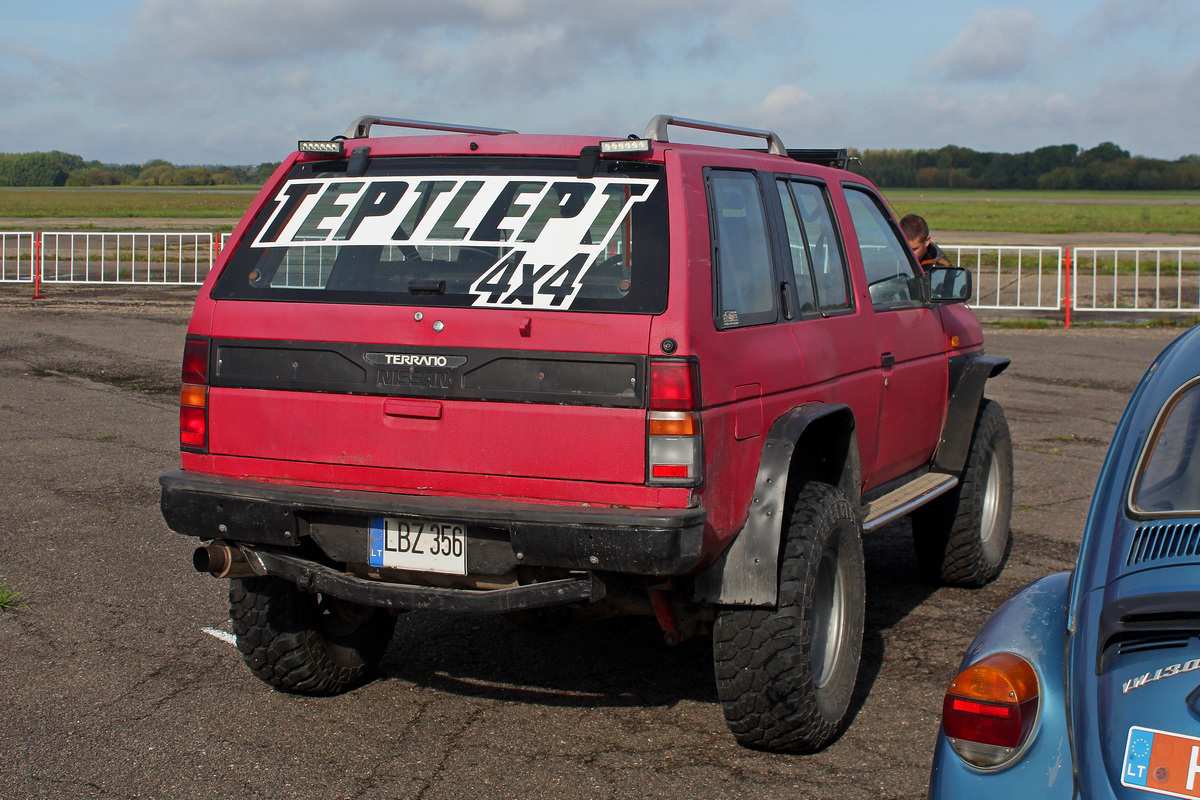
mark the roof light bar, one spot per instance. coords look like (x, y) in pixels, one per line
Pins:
(625, 146)
(331, 147)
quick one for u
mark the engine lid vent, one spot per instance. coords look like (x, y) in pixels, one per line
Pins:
(1155, 542)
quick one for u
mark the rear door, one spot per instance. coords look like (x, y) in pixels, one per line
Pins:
(829, 331)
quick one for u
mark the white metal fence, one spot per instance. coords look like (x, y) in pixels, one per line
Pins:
(125, 258)
(1136, 279)
(16, 257)
(1014, 277)
(1006, 277)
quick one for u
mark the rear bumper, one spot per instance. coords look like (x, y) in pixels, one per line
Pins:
(314, 577)
(501, 534)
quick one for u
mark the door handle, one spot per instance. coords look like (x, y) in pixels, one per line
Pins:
(887, 360)
(412, 408)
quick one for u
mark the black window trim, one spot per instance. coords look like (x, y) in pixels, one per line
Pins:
(839, 241)
(772, 248)
(919, 301)
(653, 298)
(1147, 451)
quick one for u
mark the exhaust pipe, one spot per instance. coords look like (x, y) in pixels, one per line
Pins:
(221, 561)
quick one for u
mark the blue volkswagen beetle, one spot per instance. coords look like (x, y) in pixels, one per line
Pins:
(1087, 684)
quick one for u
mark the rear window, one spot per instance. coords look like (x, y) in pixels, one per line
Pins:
(1168, 480)
(486, 232)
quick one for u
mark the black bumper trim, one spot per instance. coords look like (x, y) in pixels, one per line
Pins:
(314, 577)
(623, 540)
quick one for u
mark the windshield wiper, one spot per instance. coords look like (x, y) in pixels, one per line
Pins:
(426, 286)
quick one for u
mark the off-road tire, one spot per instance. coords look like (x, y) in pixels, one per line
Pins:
(785, 676)
(304, 643)
(962, 538)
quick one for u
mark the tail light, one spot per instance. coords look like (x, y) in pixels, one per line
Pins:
(674, 454)
(193, 397)
(990, 710)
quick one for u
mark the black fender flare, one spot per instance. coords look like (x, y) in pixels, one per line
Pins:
(747, 573)
(966, 393)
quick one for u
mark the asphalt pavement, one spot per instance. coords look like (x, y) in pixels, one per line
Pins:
(118, 679)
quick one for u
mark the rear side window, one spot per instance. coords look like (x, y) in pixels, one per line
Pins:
(891, 277)
(1168, 481)
(519, 233)
(812, 239)
(741, 250)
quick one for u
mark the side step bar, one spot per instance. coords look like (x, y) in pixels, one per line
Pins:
(896, 504)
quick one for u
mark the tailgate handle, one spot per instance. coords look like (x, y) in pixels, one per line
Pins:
(412, 408)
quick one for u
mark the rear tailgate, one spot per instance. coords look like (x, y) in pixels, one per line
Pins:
(481, 316)
(400, 402)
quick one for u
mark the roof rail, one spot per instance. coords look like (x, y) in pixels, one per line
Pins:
(361, 127)
(657, 131)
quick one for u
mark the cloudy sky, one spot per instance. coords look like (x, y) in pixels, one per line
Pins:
(239, 81)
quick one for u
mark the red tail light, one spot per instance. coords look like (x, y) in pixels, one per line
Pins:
(195, 361)
(193, 397)
(673, 385)
(674, 454)
(990, 709)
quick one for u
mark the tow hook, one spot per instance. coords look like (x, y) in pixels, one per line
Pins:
(221, 561)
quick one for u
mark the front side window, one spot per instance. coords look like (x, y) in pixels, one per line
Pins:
(483, 232)
(1168, 478)
(741, 250)
(891, 278)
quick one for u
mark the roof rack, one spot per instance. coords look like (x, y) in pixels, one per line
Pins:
(838, 158)
(657, 131)
(361, 127)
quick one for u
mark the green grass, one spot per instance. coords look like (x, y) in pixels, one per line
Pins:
(10, 598)
(125, 202)
(946, 209)
(983, 195)
(1023, 323)
(1057, 217)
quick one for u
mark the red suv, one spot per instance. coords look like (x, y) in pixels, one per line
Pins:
(485, 372)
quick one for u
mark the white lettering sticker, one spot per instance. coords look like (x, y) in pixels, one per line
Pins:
(548, 231)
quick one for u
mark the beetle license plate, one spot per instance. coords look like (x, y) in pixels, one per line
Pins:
(419, 545)
(1162, 762)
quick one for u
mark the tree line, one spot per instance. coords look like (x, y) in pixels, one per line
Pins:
(57, 168)
(1065, 166)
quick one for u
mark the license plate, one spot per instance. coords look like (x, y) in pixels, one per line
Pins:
(419, 545)
(1162, 762)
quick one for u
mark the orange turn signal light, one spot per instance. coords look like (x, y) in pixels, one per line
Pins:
(193, 396)
(667, 423)
(999, 678)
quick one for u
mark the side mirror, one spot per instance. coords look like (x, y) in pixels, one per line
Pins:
(948, 285)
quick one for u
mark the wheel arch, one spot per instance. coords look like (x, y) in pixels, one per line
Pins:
(815, 441)
(967, 383)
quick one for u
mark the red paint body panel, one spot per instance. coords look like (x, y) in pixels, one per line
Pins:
(377, 479)
(498, 329)
(513, 439)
